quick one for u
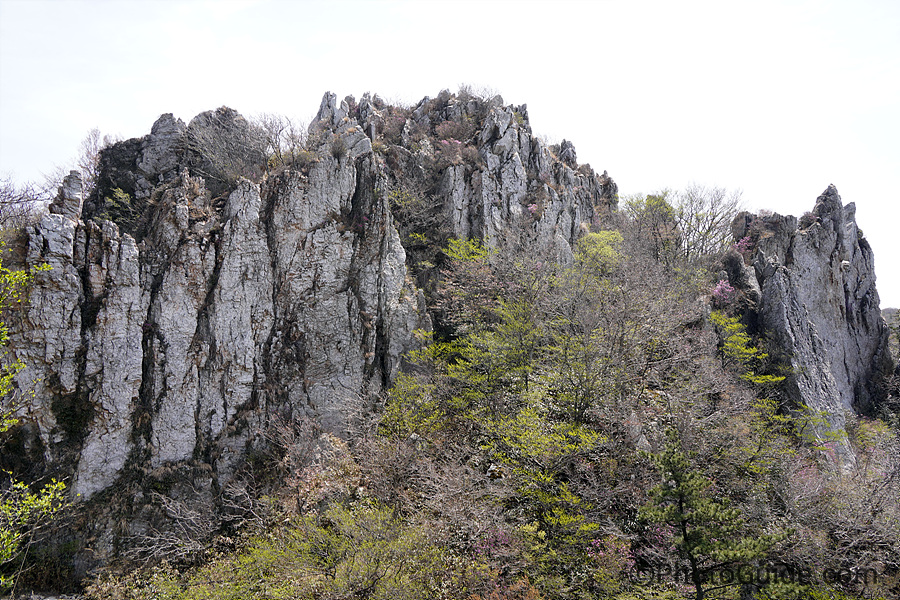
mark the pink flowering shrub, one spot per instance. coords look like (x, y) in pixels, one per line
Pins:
(744, 245)
(611, 560)
(451, 151)
(723, 294)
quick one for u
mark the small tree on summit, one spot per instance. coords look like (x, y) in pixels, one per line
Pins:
(223, 147)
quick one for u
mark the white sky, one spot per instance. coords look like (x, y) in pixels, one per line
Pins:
(777, 99)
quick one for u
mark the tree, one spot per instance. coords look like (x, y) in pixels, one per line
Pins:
(709, 534)
(20, 203)
(22, 511)
(683, 227)
(89, 157)
(738, 351)
(704, 217)
(653, 223)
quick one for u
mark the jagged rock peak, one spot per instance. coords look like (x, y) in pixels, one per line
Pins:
(819, 305)
(69, 200)
(208, 293)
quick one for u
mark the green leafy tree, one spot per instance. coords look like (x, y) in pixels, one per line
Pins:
(21, 514)
(21, 510)
(654, 221)
(599, 252)
(738, 349)
(709, 533)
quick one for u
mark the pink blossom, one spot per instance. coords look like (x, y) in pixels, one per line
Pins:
(723, 293)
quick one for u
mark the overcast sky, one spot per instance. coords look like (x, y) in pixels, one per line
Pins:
(777, 99)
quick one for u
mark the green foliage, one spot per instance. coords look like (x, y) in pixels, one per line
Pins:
(493, 367)
(21, 511)
(599, 252)
(411, 409)
(738, 349)
(582, 374)
(361, 551)
(769, 441)
(708, 532)
(535, 446)
(536, 451)
(12, 287)
(418, 238)
(466, 250)
(120, 208)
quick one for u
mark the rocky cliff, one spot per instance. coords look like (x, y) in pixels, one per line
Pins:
(812, 281)
(197, 301)
(205, 294)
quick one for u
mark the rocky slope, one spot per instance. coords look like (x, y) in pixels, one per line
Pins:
(189, 309)
(813, 280)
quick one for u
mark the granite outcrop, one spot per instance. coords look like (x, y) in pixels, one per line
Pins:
(191, 307)
(812, 283)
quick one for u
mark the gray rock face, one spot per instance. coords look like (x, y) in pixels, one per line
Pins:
(172, 343)
(818, 303)
(69, 200)
(517, 183)
(194, 330)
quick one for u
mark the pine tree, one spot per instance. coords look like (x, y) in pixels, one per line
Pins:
(710, 535)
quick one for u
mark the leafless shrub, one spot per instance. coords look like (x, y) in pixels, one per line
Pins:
(244, 504)
(391, 471)
(338, 147)
(188, 528)
(454, 130)
(89, 157)
(395, 120)
(704, 216)
(312, 466)
(20, 204)
(483, 93)
(470, 154)
(225, 147)
(286, 139)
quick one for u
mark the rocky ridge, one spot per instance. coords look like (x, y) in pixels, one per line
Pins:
(179, 323)
(199, 299)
